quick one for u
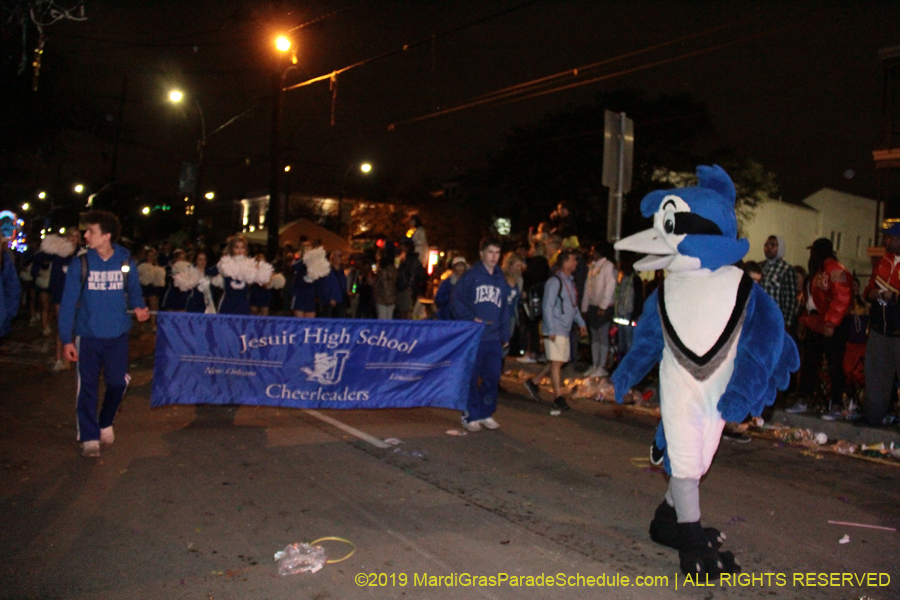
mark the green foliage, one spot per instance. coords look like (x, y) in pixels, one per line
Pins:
(560, 157)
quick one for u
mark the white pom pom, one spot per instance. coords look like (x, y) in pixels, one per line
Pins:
(239, 268)
(218, 281)
(317, 265)
(180, 266)
(159, 276)
(145, 273)
(264, 273)
(277, 282)
(188, 279)
(57, 246)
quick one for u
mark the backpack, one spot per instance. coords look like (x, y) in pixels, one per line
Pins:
(534, 300)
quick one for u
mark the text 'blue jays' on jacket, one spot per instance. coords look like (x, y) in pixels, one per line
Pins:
(482, 295)
(99, 310)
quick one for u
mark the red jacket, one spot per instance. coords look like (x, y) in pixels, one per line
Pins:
(832, 293)
(886, 275)
(885, 314)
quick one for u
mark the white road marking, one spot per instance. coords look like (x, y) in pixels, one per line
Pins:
(346, 428)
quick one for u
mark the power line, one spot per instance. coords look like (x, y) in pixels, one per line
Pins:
(406, 47)
(525, 91)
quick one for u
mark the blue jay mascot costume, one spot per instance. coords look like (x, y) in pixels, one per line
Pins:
(721, 345)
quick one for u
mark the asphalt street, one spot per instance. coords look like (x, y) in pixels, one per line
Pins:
(193, 502)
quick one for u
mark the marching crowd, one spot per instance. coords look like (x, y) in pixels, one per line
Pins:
(538, 301)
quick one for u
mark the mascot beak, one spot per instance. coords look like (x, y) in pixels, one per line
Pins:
(651, 242)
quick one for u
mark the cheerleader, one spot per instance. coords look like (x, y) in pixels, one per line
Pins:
(236, 274)
(195, 281)
(175, 298)
(152, 277)
(310, 265)
(261, 292)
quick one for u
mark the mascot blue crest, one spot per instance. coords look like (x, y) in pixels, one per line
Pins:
(692, 223)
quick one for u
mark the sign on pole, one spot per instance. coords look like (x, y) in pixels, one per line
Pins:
(618, 157)
(187, 179)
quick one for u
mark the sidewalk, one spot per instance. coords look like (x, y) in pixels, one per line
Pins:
(855, 432)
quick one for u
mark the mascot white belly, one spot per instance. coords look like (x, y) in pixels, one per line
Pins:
(692, 390)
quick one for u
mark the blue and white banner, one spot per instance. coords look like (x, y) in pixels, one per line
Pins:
(312, 363)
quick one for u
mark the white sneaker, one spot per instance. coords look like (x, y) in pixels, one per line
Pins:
(106, 436)
(473, 426)
(799, 407)
(526, 359)
(598, 372)
(91, 449)
(489, 423)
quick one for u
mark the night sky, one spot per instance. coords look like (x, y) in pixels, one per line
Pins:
(794, 86)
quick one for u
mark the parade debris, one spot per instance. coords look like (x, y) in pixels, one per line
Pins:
(299, 558)
(600, 389)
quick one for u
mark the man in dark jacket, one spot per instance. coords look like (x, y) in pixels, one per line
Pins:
(883, 345)
(480, 296)
(411, 280)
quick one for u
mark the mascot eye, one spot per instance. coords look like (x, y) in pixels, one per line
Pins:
(669, 222)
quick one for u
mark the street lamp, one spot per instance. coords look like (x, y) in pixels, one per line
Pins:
(175, 97)
(273, 214)
(364, 168)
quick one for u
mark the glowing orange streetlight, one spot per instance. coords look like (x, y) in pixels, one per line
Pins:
(273, 214)
(282, 43)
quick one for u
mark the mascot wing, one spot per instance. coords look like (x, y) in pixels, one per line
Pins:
(645, 352)
(766, 357)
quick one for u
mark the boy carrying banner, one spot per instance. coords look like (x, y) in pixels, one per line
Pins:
(94, 325)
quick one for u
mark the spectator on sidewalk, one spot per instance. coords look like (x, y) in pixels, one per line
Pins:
(445, 292)
(513, 266)
(386, 287)
(823, 328)
(411, 280)
(629, 303)
(779, 280)
(597, 305)
(94, 325)
(419, 239)
(883, 345)
(560, 309)
(537, 271)
(561, 221)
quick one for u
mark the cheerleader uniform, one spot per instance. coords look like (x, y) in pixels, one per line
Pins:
(303, 293)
